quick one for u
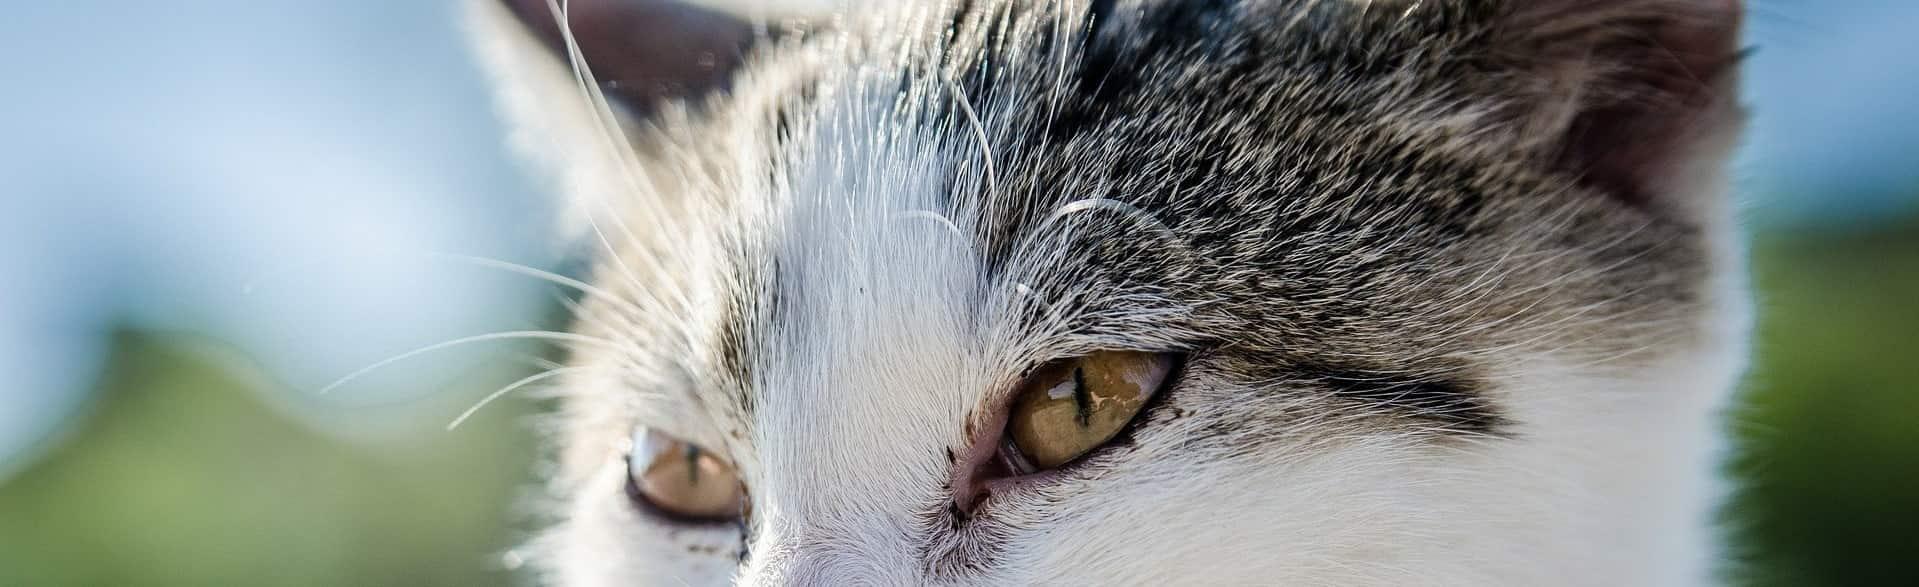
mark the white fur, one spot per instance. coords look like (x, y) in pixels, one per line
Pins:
(879, 360)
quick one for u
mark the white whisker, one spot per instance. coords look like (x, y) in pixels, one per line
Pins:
(555, 278)
(493, 336)
(510, 388)
(979, 134)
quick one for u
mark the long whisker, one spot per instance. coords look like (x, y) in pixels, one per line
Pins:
(492, 336)
(633, 174)
(979, 134)
(510, 388)
(614, 140)
(555, 278)
(1124, 210)
(602, 111)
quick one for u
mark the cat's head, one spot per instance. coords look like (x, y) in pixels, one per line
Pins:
(1154, 291)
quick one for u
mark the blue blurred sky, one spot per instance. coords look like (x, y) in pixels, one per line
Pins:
(270, 173)
(1835, 133)
(275, 174)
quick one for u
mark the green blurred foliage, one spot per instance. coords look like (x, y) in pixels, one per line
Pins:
(1829, 425)
(181, 475)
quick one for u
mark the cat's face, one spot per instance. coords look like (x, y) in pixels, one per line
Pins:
(1204, 292)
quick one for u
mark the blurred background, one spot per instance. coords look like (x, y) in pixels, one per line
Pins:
(211, 209)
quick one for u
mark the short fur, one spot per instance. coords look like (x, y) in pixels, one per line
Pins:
(1455, 280)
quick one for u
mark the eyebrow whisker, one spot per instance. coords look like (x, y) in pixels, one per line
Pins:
(510, 388)
(549, 335)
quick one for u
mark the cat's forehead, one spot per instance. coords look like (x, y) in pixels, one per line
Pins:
(997, 190)
(1373, 240)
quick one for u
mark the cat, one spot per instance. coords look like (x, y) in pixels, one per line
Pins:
(1098, 292)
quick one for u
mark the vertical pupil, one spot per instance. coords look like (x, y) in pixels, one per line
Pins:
(692, 465)
(1082, 398)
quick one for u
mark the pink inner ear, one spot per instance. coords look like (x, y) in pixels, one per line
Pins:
(1669, 84)
(645, 51)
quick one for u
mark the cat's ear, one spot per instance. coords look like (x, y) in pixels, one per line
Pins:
(643, 52)
(1638, 98)
(645, 55)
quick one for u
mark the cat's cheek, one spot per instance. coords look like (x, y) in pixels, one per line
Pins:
(604, 540)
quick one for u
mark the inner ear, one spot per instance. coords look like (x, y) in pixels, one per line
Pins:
(645, 52)
(1634, 92)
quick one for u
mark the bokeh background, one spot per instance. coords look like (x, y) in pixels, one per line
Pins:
(210, 209)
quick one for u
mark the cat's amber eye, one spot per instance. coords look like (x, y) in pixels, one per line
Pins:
(682, 480)
(1066, 409)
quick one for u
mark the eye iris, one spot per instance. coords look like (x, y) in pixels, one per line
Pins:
(1066, 410)
(680, 479)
